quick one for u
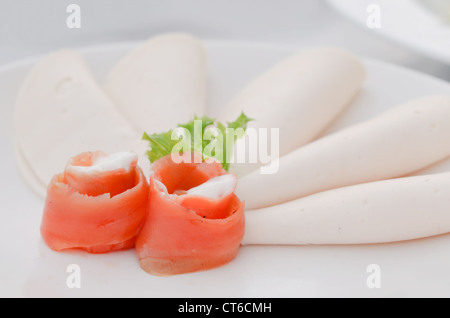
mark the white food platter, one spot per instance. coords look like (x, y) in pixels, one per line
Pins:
(28, 268)
(422, 25)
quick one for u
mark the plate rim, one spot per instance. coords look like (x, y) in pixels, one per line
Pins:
(28, 61)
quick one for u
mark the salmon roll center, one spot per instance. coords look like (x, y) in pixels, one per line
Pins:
(205, 188)
(97, 173)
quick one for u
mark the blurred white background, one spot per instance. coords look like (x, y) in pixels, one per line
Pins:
(35, 27)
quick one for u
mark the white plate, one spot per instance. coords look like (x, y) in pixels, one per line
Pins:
(29, 268)
(422, 25)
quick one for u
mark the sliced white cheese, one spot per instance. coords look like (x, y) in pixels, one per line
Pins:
(215, 188)
(161, 83)
(102, 162)
(61, 112)
(161, 186)
(300, 96)
(378, 212)
(398, 142)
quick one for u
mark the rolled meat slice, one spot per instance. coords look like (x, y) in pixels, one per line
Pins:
(377, 212)
(194, 222)
(405, 139)
(98, 204)
(160, 83)
(300, 96)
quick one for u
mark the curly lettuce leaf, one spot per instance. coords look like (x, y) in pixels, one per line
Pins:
(204, 135)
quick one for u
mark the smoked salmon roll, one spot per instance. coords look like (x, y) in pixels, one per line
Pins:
(98, 204)
(194, 221)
